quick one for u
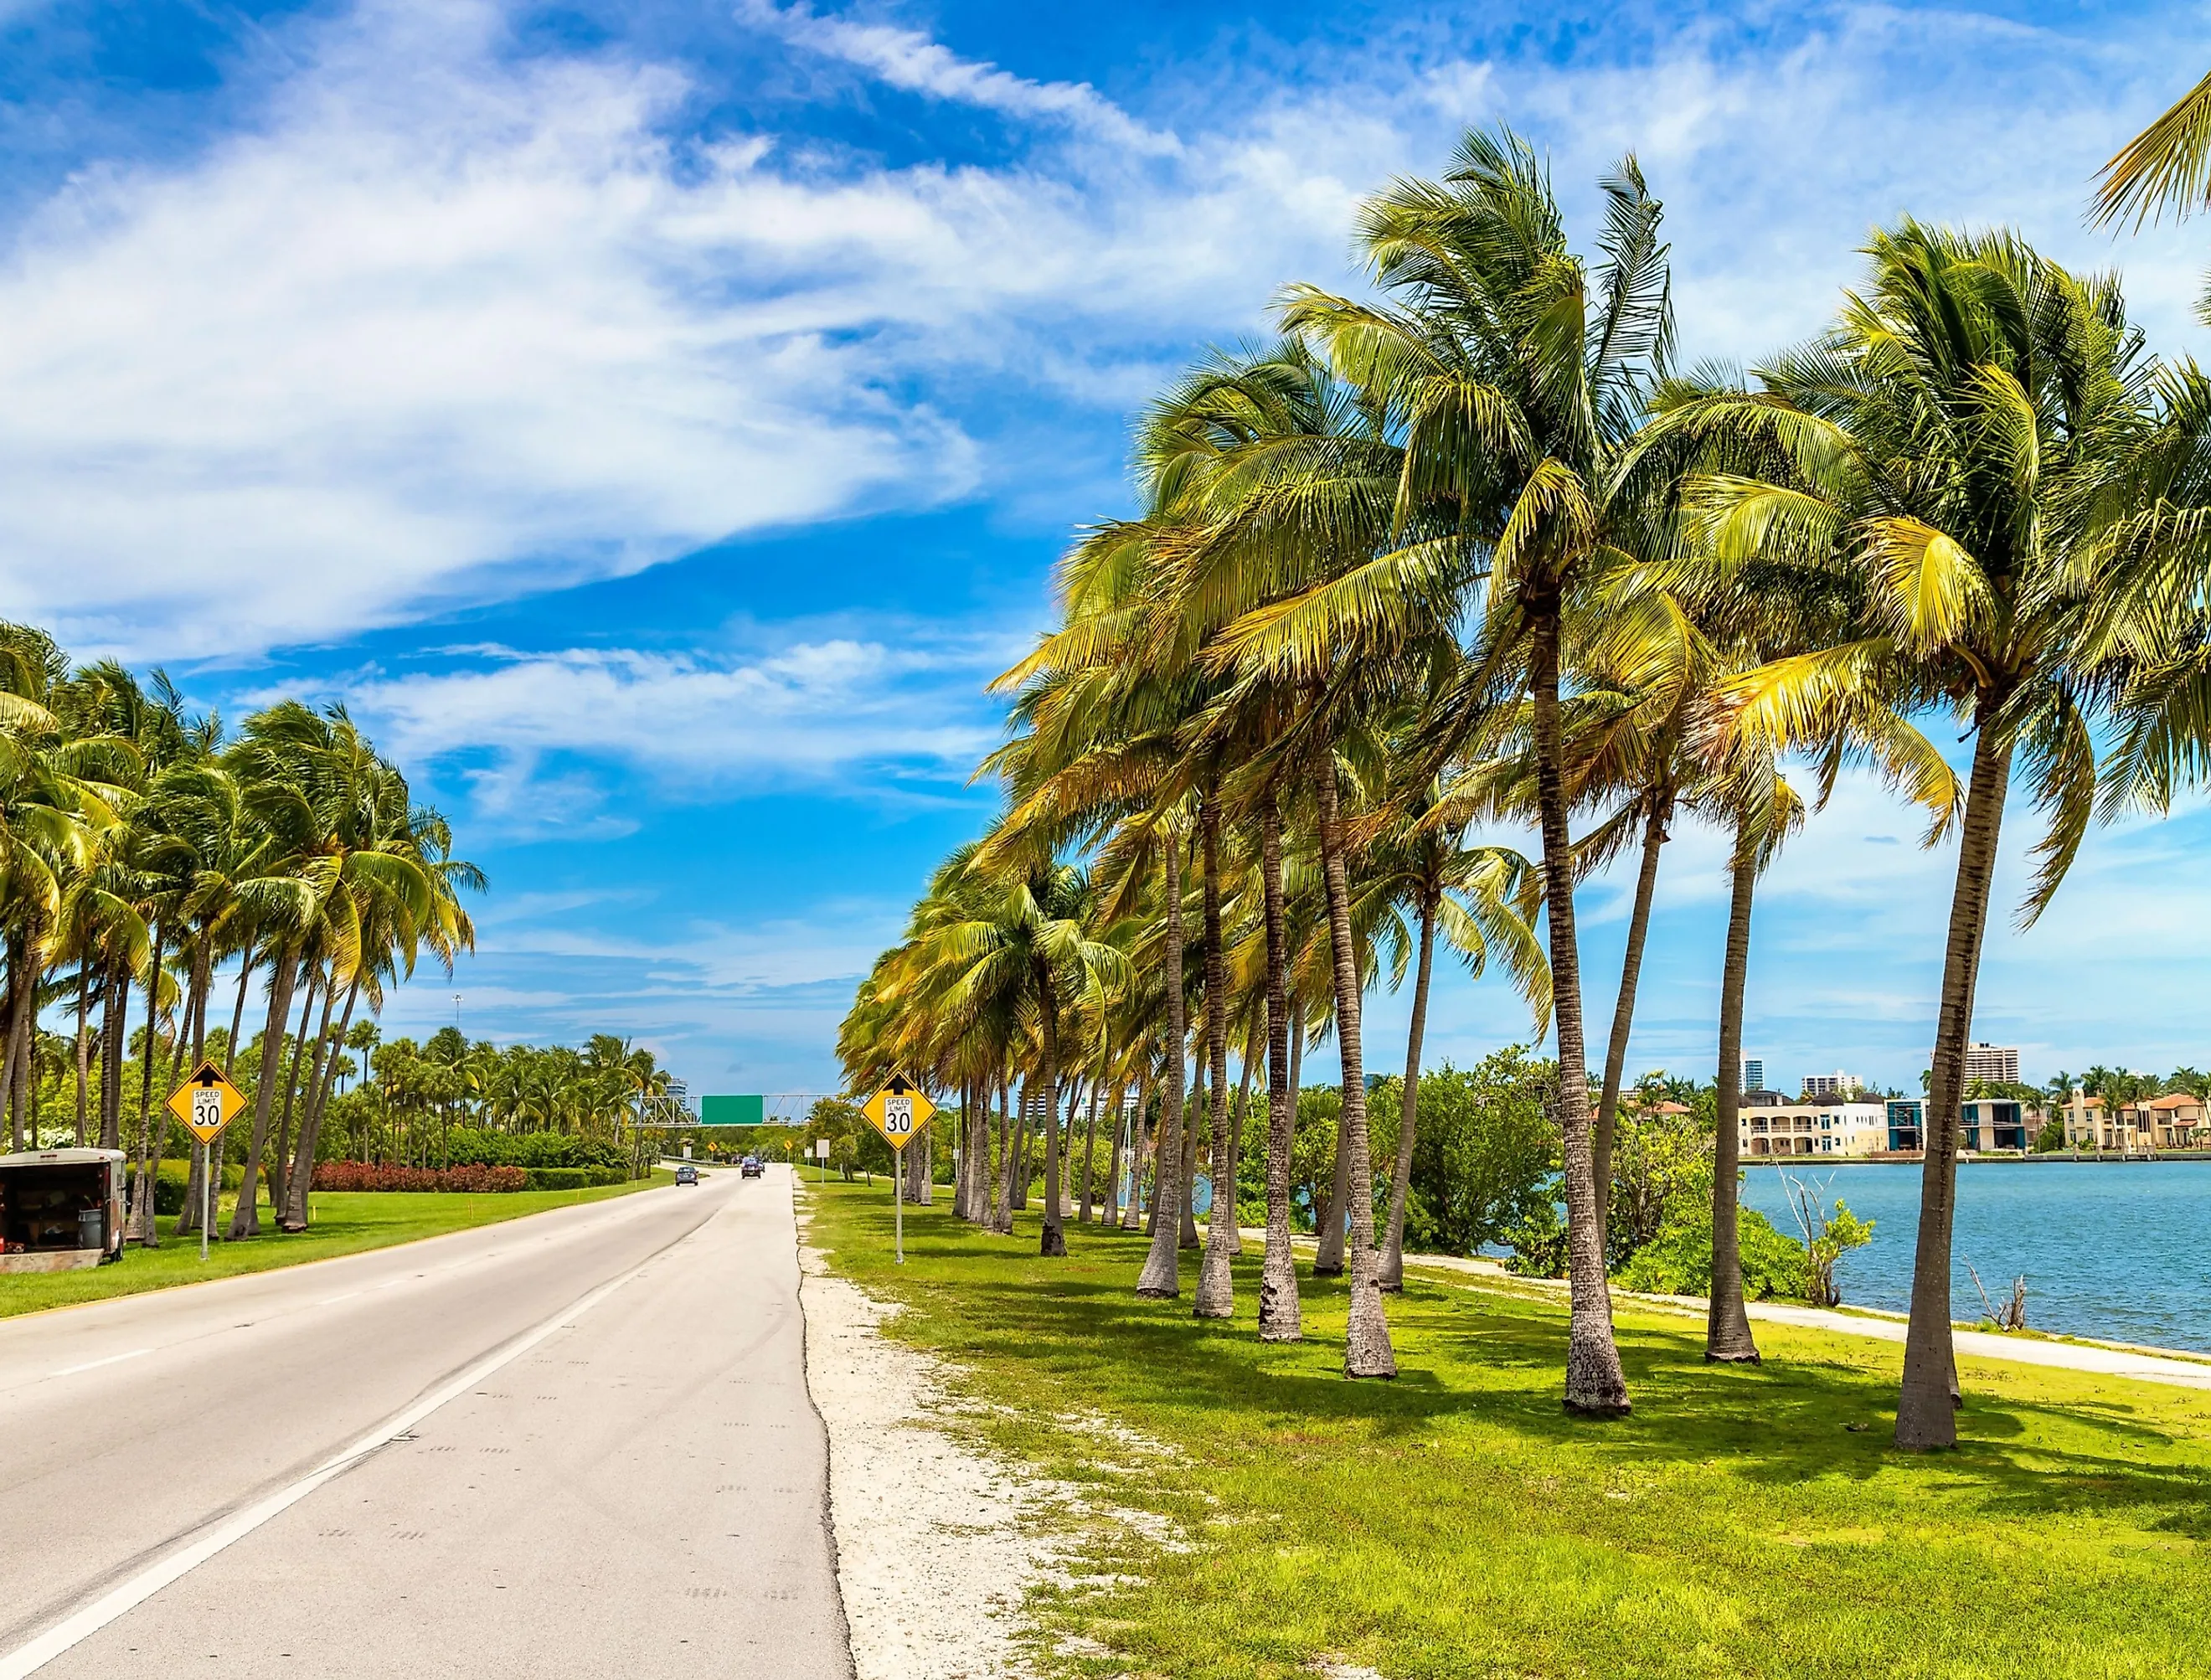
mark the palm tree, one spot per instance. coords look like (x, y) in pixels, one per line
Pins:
(1037, 945)
(2166, 166)
(1480, 899)
(1516, 402)
(1952, 452)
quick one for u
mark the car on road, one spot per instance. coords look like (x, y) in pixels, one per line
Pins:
(752, 1167)
(687, 1173)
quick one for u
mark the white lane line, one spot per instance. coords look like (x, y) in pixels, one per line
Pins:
(28, 1658)
(94, 1364)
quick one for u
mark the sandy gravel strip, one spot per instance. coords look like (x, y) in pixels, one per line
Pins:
(937, 1543)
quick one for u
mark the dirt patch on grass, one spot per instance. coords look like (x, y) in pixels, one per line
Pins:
(938, 1543)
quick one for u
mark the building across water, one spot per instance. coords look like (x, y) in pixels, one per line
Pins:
(1865, 1126)
(1998, 1064)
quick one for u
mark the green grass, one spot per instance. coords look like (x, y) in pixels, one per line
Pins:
(1456, 1523)
(343, 1222)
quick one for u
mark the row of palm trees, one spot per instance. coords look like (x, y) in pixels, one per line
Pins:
(1472, 549)
(152, 862)
(417, 1094)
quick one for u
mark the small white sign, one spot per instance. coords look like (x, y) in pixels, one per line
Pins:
(822, 1149)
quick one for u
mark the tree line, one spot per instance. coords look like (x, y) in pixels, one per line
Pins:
(1472, 549)
(154, 864)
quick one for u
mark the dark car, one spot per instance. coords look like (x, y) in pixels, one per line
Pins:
(687, 1173)
(753, 1169)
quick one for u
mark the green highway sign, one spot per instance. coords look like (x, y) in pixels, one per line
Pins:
(732, 1110)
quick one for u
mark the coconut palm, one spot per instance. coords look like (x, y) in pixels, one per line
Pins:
(1953, 453)
(1518, 393)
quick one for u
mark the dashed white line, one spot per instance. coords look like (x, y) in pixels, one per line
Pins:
(94, 1364)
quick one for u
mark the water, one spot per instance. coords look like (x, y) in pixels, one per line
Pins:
(2113, 1250)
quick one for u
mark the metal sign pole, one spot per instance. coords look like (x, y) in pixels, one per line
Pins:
(898, 1198)
(207, 1196)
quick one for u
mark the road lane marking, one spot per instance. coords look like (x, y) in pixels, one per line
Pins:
(94, 1364)
(73, 1630)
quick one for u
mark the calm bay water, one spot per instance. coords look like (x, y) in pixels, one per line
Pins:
(2122, 1252)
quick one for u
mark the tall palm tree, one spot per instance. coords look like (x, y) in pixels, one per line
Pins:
(1518, 394)
(1954, 452)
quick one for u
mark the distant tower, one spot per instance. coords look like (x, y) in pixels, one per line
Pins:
(1753, 1073)
(1998, 1064)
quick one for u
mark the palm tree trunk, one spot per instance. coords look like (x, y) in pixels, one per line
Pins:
(246, 1218)
(1245, 1058)
(1623, 1012)
(194, 1028)
(1089, 1153)
(145, 1229)
(1727, 1324)
(1186, 1227)
(1161, 1277)
(301, 1180)
(22, 989)
(997, 1171)
(237, 1011)
(115, 1022)
(83, 1045)
(1596, 1386)
(1280, 1319)
(1401, 1175)
(1926, 1407)
(279, 1161)
(1132, 1215)
(1109, 1215)
(1016, 1122)
(1328, 1254)
(1366, 1351)
(1216, 1284)
(1054, 1241)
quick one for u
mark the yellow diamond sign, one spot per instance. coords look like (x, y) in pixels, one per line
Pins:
(206, 1102)
(899, 1111)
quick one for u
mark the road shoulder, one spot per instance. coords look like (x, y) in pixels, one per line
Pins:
(939, 1544)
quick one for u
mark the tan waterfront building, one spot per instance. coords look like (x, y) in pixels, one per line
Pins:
(1845, 1126)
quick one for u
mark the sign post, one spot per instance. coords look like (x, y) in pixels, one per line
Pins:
(206, 1103)
(899, 1111)
(821, 1155)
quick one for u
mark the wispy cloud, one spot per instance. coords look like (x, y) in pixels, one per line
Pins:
(912, 62)
(538, 738)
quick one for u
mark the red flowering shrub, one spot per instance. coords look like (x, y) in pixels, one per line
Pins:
(368, 1175)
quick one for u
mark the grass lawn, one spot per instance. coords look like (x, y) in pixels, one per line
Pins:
(343, 1222)
(1456, 1523)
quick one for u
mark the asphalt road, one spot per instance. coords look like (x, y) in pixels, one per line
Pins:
(348, 1468)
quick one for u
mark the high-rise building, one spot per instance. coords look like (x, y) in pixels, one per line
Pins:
(1835, 1084)
(1753, 1074)
(1997, 1064)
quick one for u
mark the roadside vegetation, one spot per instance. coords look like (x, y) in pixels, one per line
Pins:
(173, 890)
(1744, 1520)
(1470, 554)
(342, 1223)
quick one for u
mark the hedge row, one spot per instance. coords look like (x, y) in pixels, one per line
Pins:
(478, 1146)
(575, 1178)
(366, 1175)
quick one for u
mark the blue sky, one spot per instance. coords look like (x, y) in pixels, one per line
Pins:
(657, 422)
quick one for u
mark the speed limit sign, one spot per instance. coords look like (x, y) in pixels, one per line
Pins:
(899, 1111)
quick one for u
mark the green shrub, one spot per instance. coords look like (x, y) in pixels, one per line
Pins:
(474, 1146)
(575, 1178)
(1678, 1261)
(173, 1177)
(1538, 1242)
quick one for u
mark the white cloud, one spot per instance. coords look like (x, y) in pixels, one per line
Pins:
(911, 61)
(904, 718)
(446, 321)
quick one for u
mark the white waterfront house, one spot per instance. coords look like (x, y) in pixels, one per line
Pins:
(1836, 1126)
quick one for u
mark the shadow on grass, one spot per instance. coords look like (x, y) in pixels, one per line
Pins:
(1073, 1328)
